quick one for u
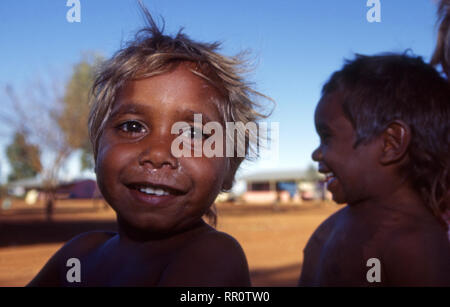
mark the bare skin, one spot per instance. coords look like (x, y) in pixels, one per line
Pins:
(385, 217)
(198, 257)
(412, 248)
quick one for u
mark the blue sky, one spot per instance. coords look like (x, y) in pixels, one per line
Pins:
(296, 45)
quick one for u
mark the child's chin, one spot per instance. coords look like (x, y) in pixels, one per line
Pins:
(147, 225)
(339, 199)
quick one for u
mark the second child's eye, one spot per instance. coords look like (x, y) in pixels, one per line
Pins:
(132, 127)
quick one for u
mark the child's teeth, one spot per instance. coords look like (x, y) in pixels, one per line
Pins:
(330, 178)
(158, 192)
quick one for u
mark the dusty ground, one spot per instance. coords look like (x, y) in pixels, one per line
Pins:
(273, 240)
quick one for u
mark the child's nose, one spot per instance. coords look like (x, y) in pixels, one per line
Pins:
(158, 154)
(317, 154)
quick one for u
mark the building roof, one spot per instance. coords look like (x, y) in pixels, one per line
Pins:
(37, 182)
(26, 183)
(275, 175)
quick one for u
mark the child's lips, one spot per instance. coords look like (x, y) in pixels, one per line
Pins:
(157, 189)
(331, 181)
(330, 177)
(158, 185)
(155, 192)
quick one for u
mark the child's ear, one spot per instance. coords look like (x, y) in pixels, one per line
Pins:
(396, 138)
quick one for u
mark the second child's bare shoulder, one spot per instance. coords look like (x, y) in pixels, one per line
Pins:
(322, 232)
(212, 258)
(418, 254)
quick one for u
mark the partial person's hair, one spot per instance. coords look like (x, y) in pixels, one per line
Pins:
(152, 53)
(379, 89)
(441, 55)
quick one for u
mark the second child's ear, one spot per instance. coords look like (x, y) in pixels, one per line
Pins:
(396, 138)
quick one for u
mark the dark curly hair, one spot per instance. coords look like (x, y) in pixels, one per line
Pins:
(386, 87)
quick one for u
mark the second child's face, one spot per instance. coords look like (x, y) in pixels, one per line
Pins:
(149, 188)
(348, 170)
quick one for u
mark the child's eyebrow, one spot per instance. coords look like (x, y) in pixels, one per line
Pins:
(188, 114)
(129, 108)
(137, 108)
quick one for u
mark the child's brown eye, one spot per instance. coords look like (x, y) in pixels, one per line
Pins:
(132, 127)
(193, 132)
(324, 137)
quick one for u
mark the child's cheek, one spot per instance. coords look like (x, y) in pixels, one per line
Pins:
(209, 173)
(111, 160)
(105, 154)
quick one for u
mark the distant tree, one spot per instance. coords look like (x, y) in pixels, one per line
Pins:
(35, 112)
(24, 158)
(2, 191)
(54, 115)
(75, 112)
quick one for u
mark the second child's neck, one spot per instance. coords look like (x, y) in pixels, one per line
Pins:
(401, 198)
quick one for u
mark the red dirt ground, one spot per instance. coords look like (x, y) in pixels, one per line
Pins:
(273, 240)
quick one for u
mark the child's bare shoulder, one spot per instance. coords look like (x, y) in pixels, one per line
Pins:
(314, 249)
(77, 247)
(417, 254)
(85, 243)
(211, 241)
(322, 232)
(212, 258)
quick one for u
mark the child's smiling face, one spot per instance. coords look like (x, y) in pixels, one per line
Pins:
(349, 170)
(148, 187)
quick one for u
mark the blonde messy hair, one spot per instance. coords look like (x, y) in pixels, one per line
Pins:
(441, 53)
(152, 53)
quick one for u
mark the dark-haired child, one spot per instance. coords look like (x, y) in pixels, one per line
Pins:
(146, 88)
(384, 125)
